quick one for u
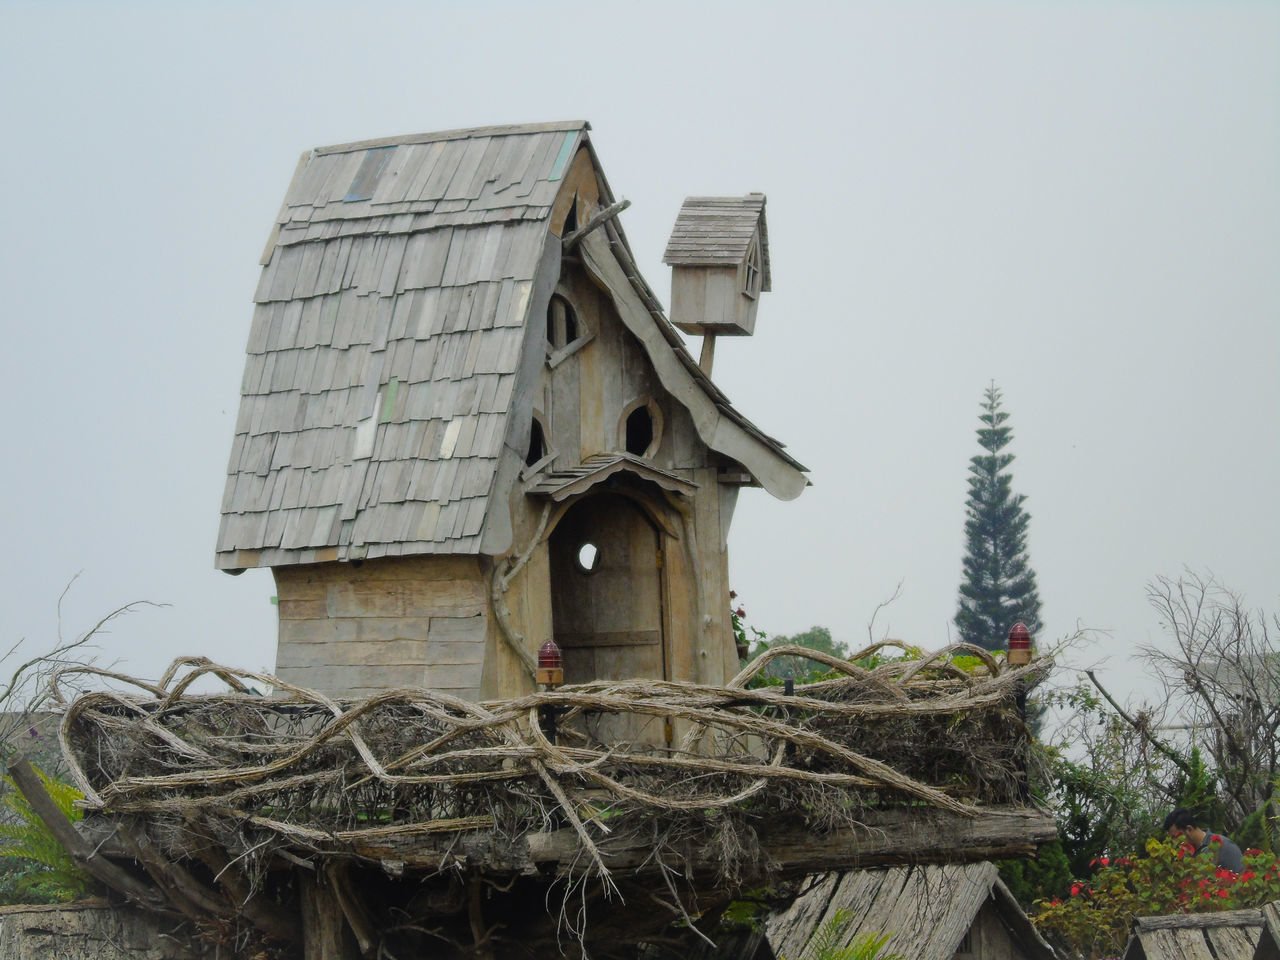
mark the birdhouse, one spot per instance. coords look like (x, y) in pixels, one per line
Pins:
(467, 429)
(719, 259)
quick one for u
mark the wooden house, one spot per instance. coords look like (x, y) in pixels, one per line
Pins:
(1269, 937)
(467, 426)
(1227, 935)
(947, 912)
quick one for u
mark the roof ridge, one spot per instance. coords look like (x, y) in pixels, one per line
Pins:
(500, 130)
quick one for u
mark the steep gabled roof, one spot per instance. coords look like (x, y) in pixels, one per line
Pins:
(389, 330)
(1226, 935)
(927, 909)
(717, 231)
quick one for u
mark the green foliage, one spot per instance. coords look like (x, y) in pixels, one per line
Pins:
(1046, 875)
(1198, 790)
(1107, 789)
(1093, 919)
(802, 669)
(999, 586)
(738, 618)
(42, 870)
(825, 943)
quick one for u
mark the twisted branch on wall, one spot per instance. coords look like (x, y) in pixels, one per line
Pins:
(500, 580)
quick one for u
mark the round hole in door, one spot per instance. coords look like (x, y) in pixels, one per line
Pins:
(588, 557)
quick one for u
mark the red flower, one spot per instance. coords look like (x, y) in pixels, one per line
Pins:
(1247, 876)
(733, 594)
(1076, 888)
(1222, 893)
(740, 612)
(1253, 852)
(1105, 861)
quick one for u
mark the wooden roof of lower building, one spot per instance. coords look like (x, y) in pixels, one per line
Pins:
(927, 910)
(1227, 935)
(389, 326)
(1269, 937)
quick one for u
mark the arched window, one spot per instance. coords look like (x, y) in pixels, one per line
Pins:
(562, 323)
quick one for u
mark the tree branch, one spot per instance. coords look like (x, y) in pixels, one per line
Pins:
(32, 788)
(1141, 729)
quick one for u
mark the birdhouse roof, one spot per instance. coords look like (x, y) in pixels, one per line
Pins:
(717, 232)
(389, 330)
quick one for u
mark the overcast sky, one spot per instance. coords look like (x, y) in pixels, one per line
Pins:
(1080, 201)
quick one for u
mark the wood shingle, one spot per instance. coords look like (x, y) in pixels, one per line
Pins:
(391, 320)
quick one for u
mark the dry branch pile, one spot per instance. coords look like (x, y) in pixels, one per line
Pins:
(298, 774)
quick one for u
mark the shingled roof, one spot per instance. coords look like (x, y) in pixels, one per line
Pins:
(927, 909)
(1226, 935)
(388, 331)
(717, 231)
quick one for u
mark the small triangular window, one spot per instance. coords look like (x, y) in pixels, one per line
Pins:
(752, 274)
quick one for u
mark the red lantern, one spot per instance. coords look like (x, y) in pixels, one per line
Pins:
(1019, 645)
(550, 664)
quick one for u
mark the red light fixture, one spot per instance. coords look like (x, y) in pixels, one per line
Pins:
(1019, 645)
(550, 664)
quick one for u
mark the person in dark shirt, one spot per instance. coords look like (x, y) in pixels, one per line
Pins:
(1181, 825)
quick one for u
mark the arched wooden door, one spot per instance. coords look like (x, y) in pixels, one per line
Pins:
(606, 600)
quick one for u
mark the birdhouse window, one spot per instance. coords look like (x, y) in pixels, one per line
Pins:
(752, 274)
(588, 557)
(562, 323)
(566, 331)
(539, 452)
(641, 429)
(537, 443)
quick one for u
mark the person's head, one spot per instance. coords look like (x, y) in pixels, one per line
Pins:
(1178, 822)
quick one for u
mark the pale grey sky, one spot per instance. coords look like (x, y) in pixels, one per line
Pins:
(1079, 200)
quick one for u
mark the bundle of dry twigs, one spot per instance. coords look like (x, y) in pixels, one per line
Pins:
(299, 770)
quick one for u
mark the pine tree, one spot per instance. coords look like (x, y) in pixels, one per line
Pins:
(999, 586)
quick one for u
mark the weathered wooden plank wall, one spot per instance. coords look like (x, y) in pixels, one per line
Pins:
(349, 630)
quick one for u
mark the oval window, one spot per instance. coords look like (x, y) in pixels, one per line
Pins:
(640, 429)
(588, 557)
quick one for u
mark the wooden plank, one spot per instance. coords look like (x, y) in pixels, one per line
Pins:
(324, 929)
(1233, 943)
(402, 652)
(316, 631)
(1178, 921)
(789, 931)
(1176, 945)
(878, 895)
(887, 838)
(347, 680)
